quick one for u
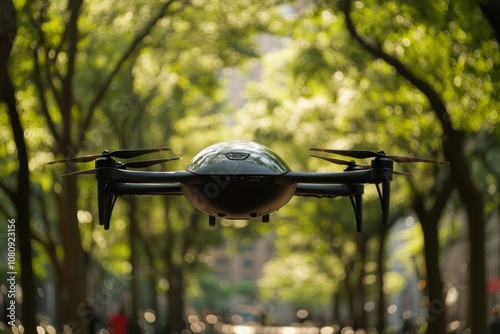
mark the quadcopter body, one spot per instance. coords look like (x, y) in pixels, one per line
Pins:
(240, 180)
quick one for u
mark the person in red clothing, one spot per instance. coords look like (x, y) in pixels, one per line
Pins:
(118, 323)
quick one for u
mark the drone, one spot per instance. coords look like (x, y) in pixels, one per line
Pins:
(240, 180)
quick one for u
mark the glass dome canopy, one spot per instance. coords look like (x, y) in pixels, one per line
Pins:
(237, 157)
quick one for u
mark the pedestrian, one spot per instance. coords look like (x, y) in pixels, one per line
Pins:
(495, 321)
(118, 323)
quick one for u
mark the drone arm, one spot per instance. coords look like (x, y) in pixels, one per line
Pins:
(131, 176)
(144, 189)
(358, 176)
(328, 190)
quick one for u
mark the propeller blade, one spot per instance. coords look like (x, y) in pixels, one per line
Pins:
(359, 154)
(132, 153)
(78, 172)
(363, 154)
(335, 161)
(147, 163)
(398, 158)
(85, 158)
(122, 154)
(340, 161)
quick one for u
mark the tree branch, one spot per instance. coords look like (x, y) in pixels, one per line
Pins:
(45, 219)
(72, 35)
(43, 101)
(442, 196)
(35, 27)
(52, 252)
(132, 47)
(432, 96)
(73, 10)
(53, 74)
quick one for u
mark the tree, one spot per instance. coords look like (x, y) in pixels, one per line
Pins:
(429, 218)
(453, 142)
(57, 34)
(20, 196)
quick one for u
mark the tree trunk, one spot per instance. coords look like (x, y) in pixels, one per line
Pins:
(175, 293)
(429, 219)
(152, 277)
(453, 148)
(134, 282)
(350, 294)
(176, 289)
(436, 318)
(362, 246)
(21, 202)
(380, 280)
(74, 259)
(336, 307)
(472, 199)
(8, 30)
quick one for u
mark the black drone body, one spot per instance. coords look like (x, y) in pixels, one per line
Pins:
(240, 180)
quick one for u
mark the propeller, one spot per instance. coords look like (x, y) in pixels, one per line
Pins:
(133, 164)
(78, 172)
(363, 154)
(384, 192)
(352, 164)
(122, 154)
(147, 163)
